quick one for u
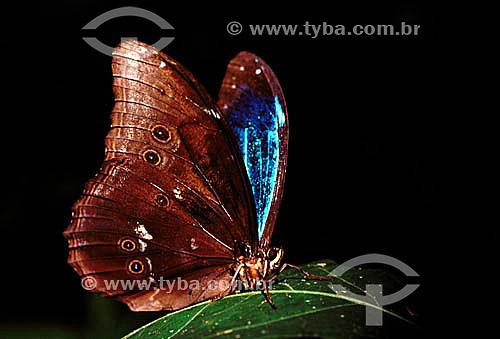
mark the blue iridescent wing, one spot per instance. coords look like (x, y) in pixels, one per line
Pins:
(253, 104)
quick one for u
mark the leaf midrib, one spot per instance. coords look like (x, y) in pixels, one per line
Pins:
(278, 320)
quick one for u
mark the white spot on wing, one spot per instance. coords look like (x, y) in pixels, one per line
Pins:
(141, 231)
(215, 114)
(162, 64)
(177, 193)
(193, 244)
(212, 113)
(142, 245)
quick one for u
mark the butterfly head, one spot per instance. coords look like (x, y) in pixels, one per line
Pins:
(274, 256)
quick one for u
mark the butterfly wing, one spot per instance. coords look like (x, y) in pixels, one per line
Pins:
(252, 102)
(171, 199)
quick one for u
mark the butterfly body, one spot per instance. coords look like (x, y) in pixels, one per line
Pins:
(189, 188)
(254, 270)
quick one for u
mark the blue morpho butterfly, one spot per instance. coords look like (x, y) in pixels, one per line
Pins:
(186, 199)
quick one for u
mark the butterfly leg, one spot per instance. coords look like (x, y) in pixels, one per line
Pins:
(276, 275)
(266, 292)
(308, 275)
(240, 266)
(268, 297)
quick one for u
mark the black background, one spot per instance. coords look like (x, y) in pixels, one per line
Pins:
(364, 153)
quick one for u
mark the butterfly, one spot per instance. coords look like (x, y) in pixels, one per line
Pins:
(189, 189)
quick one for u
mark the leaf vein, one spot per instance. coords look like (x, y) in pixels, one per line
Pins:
(189, 321)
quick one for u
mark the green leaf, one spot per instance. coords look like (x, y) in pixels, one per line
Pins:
(306, 308)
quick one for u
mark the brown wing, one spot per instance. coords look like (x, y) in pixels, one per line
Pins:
(172, 198)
